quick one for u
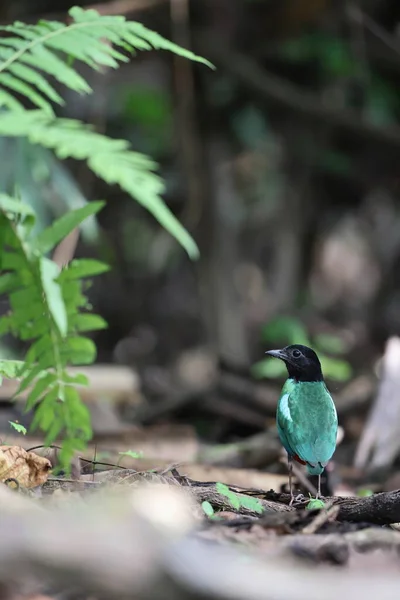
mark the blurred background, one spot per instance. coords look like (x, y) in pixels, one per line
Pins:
(283, 164)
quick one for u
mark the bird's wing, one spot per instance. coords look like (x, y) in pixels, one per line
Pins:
(305, 434)
(283, 416)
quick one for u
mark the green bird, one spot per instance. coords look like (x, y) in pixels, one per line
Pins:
(306, 416)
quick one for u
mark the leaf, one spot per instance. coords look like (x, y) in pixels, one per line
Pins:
(9, 282)
(80, 350)
(87, 322)
(251, 503)
(268, 368)
(41, 385)
(45, 412)
(223, 489)
(55, 429)
(49, 272)
(333, 368)
(333, 344)
(18, 427)
(29, 469)
(16, 207)
(46, 304)
(31, 375)
(364, 493)
(11, 369)
(78, 379)
(315, 504)
(285, 330)
(83, 267)
(50, 237)
(207, 508)
(131, 454)
(231, 496)
(112, 160)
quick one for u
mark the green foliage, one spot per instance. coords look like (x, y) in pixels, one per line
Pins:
(286, 330)
(131, 454)
(333, 54)
(47, 309)
(10, 369)
(207, 508)
(236, 501)
(315, 504)
(364, 493)
(51, 47)
(18, 427)
(108, 158)
(335, 59)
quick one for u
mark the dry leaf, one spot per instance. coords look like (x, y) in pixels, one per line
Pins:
(27, 468)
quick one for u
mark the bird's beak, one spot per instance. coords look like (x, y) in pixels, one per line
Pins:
(277, 354)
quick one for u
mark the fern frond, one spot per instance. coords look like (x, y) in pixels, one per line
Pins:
(111, 160)
(46, 309)
(94, 39)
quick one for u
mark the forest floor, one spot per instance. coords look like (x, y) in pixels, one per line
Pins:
(108, 531)
(154, 510)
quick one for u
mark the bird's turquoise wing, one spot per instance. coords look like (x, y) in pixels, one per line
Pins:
(307, 423)
(283, 416)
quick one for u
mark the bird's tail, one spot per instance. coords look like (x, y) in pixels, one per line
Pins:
(315, 469)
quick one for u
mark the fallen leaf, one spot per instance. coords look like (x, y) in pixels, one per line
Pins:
(27, 468)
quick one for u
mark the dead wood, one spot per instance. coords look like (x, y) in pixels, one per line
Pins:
(329, 514)
(379, 509)
(380, 437)
(199, 490)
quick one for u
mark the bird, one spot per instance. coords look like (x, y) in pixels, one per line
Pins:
(306, 416)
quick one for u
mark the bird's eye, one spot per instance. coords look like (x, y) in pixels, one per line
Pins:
(296, 353)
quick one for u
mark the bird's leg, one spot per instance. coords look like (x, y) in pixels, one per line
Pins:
(319, 487)
(290, 469)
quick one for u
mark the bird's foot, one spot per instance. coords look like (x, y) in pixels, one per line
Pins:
(296, 499)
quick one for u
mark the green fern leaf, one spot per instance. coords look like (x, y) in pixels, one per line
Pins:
(84, 40)
(42, 384)
(35, 78)
(7, 100)
(111, 160)
(87, 322)
(80, 268)
(49, 272)
(63, 226)
(15, 207)
(11, 369)
(80, 350)
(96, 40)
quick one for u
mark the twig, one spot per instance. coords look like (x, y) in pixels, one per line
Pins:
(356, 14)
(328, 514)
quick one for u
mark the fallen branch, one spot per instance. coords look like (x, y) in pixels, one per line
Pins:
(379, 509)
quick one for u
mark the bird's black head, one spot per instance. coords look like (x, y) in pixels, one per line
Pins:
(301, 362)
